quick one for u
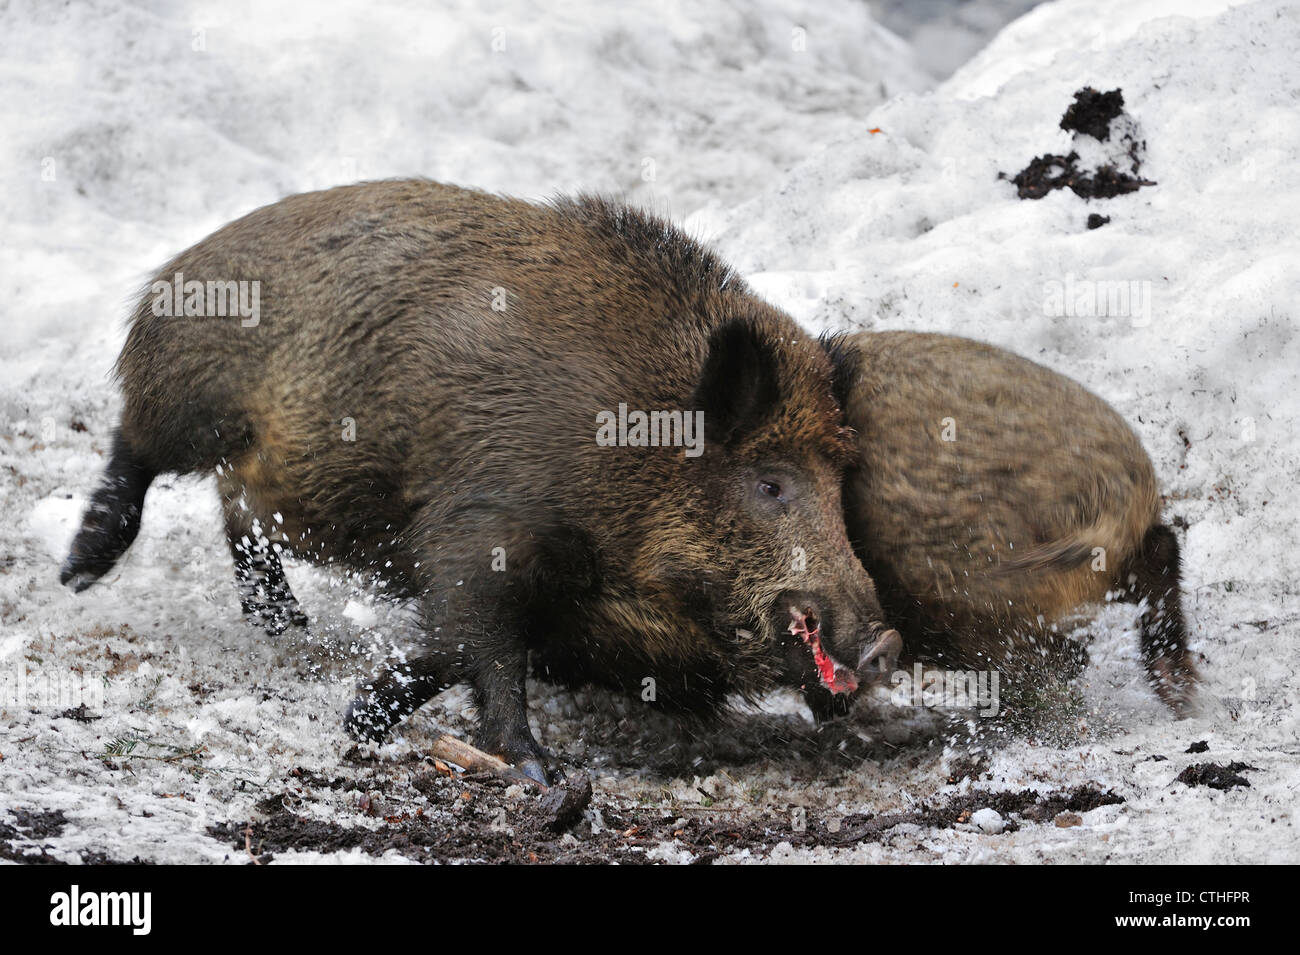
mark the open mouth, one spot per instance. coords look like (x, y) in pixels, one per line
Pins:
(834, 676)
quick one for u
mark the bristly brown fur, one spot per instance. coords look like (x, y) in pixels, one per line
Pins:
(1043, 502)
(471, 341)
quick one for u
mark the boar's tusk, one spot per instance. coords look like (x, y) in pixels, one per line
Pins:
(881, 657)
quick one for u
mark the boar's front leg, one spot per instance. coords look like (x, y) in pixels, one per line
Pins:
(399, 691)
(493, 660)
(479, 601)
(498, 669)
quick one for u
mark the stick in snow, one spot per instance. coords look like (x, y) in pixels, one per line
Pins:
(474, 760)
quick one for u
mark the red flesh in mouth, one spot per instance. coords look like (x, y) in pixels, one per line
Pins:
(836, 678)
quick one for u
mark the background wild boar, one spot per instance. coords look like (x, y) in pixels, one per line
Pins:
(419, 396)
(992, 498)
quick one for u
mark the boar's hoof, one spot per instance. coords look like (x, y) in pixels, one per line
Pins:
(91, 558)
(75, 579)
(881, 658)
(534, 770)
(536, 763)
(525, 755)
(279, 621)
(365, 721)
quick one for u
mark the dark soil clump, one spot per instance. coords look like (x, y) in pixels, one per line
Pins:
(1091, 112)
(1214, 775)
(80, 714)
(1047, 173)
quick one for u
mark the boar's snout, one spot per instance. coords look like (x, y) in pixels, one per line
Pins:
(873, 648)
(806, 616)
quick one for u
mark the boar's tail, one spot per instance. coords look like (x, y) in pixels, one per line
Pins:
(1058, 555)
(1114, 533)
(112, 518)
(1108, 540)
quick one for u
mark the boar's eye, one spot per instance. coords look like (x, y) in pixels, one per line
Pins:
(771, 490)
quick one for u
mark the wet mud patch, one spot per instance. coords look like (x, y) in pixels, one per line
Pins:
(615, 735)
(39, 824)
(21, 841)
(1014, 807)
(466, 820)
(462, 819)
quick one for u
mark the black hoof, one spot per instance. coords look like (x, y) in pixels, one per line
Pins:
(97, 548)
(535, 771)
(365, 721)
(527, 756)
(76, 577)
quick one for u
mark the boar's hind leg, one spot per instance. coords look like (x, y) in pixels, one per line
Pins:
(1152, 575)
(264, 593)
(112, 518)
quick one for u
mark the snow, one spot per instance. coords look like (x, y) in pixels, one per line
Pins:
(987, 820)
(944, 34)
(134, 130)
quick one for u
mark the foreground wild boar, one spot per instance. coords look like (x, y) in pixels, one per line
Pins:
(992, 498)
(495, 407)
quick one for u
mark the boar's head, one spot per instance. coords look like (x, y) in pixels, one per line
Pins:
(773, 564)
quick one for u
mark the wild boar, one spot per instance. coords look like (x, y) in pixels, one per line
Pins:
(993, 498)
(560, 427)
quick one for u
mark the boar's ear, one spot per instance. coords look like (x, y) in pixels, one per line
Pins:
(844, 364)
(740, 384)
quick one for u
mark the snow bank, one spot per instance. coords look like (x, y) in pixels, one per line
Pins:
(912, 228)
